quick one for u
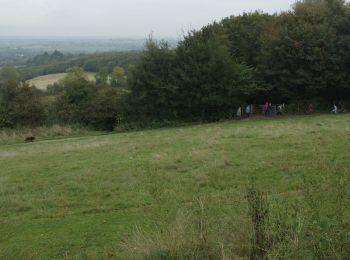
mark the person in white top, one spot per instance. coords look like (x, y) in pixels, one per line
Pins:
(248, 110)
(239, 112)
(335, 109)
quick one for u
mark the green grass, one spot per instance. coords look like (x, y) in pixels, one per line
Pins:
(18, 135)
(96, 196)
(42, 82)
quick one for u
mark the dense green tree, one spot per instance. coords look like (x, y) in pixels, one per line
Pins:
(54, 89)
(83, 102)
(152, 88)
(77, 92)
(211, 84)
(118, 77)
(102, 110)
(305, 53)
(28, 107)
(20, 105)
(197, 81)
(244, 33)
(102, 76)
(8, 92)
(9, 73)
(46, 58)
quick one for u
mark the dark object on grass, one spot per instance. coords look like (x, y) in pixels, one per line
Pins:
(29, 139)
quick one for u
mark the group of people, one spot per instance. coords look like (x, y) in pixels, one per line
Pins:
(268, 109)
(245, 111)
(336, 108)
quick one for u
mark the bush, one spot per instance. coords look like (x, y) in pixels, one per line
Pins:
(82, 102)
(20, 105)
(101, 110)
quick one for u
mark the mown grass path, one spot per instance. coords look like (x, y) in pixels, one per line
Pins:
(80, 197)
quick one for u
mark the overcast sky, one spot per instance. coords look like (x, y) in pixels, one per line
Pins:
(120, 18)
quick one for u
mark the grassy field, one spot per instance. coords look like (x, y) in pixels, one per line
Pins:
(42, 82)
(127, 195)
(12, 136)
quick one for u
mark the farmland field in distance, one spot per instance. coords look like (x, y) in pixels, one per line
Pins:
(42, 82)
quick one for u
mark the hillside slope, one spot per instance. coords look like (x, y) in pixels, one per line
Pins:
(81, 197)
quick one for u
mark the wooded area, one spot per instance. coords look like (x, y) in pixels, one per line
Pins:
(298, 56)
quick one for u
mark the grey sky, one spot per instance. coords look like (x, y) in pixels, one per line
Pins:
(120, 18)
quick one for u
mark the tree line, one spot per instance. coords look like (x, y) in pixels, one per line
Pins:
(79, 101)
(301, 55)
(57, 62)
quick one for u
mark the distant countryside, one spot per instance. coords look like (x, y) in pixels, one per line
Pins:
(228, 140)
(41, 82)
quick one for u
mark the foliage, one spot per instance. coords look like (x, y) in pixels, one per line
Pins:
(197, 81)
(152, 88)
(9, 73)
(20, 105)
(82, 101)
(306, 54)
(56, 63)
(54, 89)
(210, 83)
(294, 57)
(47, 58)
(102, 76)
(102, 110)
(244, 33)
(118, 77)
(298, 55)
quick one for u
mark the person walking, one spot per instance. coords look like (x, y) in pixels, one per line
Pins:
(239, 112)
(335, 109)
(266, 108)
(280, 110)
(248, 110)
(269, 109)
(311, 109)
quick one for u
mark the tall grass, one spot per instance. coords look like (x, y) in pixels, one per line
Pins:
(258, 213)
(187, 237)
(309, 225)
(186, 189)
